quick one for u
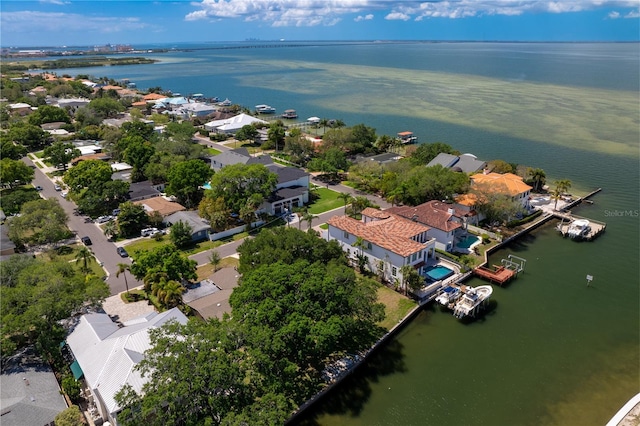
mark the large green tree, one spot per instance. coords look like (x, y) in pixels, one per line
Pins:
(61, 153)
(30, 136)
(181, 234)
(49, 114)
(185, 180)
(238, 184)
(41, 221)
(14, 172)
(131, 219)
(165, 260)
(41, 294)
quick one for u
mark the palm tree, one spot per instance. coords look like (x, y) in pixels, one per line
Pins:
(309, 218)
(169, 293)
(111, 228)
(562, 186)
(214, 259)
(122, 269)
(347, 198)
(85, 256)
(538, 177)
(410, 278)
(300, 212)
(324, 123)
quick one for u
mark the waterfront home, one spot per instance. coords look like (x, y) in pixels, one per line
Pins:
(30, 392)
(233, 124)
(445, 225)
(200, 227)
(506, 183)
(106, 353)
(384, 158)
(386, 241)
(465, 163)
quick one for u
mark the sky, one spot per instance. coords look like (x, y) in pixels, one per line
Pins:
(143, 22)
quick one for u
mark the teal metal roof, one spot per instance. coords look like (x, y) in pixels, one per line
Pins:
(76, 370)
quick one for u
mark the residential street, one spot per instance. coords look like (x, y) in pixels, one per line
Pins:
(104, 250)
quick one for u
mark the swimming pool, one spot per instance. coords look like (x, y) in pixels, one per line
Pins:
(207, 185)
(468, 242)
(438, 272)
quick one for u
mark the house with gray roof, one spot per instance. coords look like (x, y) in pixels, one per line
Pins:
(465, 163)
(200, 227)
(238, 156)
(29, 391)
(107, 353)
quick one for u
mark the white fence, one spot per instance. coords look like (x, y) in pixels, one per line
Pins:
(233, 231)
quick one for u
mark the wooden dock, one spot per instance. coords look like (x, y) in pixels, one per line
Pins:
(498, 274)
(596, 227)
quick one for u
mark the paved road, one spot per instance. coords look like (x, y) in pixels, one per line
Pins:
(104, 250)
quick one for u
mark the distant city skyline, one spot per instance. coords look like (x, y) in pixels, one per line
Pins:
(82, 23)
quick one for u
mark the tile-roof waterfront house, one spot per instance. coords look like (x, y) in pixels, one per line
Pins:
(388, 240)
(30, 394)
(507, 183)
(445, 224)
(107, 354)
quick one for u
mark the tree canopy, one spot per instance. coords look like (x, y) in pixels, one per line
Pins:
(165, 259)
(41, 221)
(35, 295)
(185, 179)
(14, 172)
(61, 153)
(240, 184)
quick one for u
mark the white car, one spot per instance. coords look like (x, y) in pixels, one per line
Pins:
(147, 232)
(57, 187)
(103, 219)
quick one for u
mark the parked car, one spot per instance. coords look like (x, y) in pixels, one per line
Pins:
(115, 212)
(38, 188)
(147, 232)
(86, 240)
(122, 252)
(63, 194)
(103, 219)
(88, 220)
(57, 187)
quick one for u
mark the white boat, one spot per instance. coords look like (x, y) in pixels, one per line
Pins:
(407, 138)
(226, 102)
(290, 114)
(579, 228)
(449, 295)
(471, 300)
(265, 109)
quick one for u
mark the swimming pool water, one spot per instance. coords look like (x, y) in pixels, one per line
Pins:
(468, 242)
(438, 272)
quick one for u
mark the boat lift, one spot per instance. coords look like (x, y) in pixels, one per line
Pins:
(514, 263)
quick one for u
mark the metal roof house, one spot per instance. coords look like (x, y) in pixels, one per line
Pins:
(233, 124)
(466, 163)
(107, 354)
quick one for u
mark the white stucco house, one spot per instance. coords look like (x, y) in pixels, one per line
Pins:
(233, 124)
(389, 241)
(107, 353)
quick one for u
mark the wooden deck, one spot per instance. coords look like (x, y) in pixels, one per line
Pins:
(499, 274)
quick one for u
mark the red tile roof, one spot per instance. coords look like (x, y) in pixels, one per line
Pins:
(392, 233)
(432, 213)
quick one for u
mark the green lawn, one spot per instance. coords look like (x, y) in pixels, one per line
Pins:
(327, 200)
(68, 254)
(396, 306)
(146, 244)
(212, 151)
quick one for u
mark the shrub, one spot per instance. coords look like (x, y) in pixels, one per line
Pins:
(71, 387)
(485, 239)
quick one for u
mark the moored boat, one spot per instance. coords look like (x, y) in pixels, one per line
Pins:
(449, 295)
(265, 109)
(472, 300)
(579, 228)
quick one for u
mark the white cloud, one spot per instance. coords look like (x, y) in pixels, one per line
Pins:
(633, 14)
(282, 13)
(360, 18)
(397, 16)
(614, 15)
(29, 21)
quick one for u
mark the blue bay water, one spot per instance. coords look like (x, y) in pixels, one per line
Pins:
(550, 351)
